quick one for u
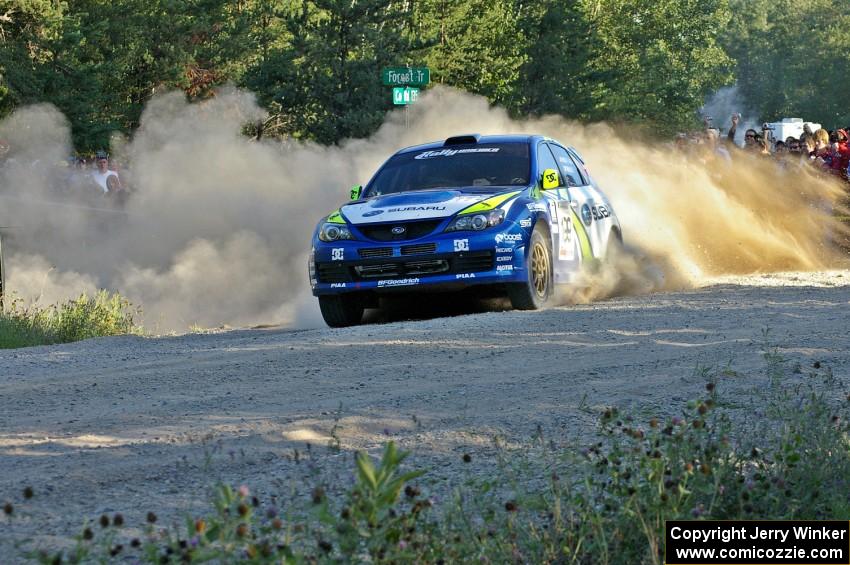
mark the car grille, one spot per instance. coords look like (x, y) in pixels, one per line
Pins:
(420, 249)
(332, 273)
(471, 262)
(376, 252)
(412, 230)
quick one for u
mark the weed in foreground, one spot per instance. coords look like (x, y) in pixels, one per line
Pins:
(603, 503)
(81, 318)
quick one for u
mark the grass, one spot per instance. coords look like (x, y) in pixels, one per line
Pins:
(81, 318)
(550, 501)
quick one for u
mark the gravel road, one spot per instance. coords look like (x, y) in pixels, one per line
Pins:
(133, 424)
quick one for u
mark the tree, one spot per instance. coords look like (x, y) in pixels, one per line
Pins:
(326, 80)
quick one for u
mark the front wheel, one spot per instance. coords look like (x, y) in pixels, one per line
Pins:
(536, 291)
(341, 310)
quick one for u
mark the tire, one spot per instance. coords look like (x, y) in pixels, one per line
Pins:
(341, 310)
(536, 291)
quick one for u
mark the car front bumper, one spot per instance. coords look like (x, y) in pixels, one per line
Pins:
(445, 261)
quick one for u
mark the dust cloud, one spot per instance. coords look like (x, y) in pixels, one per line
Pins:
(218, 228)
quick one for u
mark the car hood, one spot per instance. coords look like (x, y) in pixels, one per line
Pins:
(419, 205)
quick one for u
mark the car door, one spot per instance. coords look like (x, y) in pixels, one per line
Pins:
(578, 208)
(603, 220)
(566, 253)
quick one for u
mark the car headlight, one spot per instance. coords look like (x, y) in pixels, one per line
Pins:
(334, 232)
(477, 222)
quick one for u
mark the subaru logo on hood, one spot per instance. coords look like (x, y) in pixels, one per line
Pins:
(372, 213)
(398, 230)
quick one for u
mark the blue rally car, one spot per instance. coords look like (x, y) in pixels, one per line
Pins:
(517, 212)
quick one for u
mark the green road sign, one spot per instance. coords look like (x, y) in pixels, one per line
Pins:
(405, 95)
(406, 76)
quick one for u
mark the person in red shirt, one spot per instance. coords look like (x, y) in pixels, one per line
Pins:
(840, 153)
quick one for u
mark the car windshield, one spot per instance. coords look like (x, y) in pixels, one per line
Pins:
(457, 166)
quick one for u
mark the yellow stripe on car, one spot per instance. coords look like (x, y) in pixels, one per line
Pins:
(490, 203)
(583, 240)
(336, 218)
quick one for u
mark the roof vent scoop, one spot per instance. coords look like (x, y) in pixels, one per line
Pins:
(462, 139)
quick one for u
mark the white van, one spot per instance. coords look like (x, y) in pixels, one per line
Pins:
(788, 127)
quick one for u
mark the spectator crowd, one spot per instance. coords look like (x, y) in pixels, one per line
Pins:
(825, 151)
(94, 179)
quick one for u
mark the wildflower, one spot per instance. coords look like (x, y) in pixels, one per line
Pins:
(709, 387)
(271, 512)
(402, 544)
(705, 469)
(816, 364)
(242, 509)
(255, 502)
(325, 546)
(244, 491)
(151, 518)
(118, 520)
(653, 423)
(241, 530)
(277, 524)
(135, 542)
(511, 506)
(750, 484)
(116, 550)
(721, 489)
(104, 521)
(697, 511)
(200, 526)
(467, 458)
(697, 424)
(702, 408)
(28, 493)
(88, 534)
(8, 509)
(318, 495)
(676, 421)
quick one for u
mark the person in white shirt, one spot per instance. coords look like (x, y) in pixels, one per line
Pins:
(105, 178)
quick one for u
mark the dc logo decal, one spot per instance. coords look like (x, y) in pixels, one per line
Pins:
(586, 215)
(337, 254)
(461, 245)
(372, 213)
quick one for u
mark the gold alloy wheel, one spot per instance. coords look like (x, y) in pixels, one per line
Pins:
(540, 269)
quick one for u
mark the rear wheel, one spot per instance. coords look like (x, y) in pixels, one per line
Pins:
(341, 310)
(535, 292)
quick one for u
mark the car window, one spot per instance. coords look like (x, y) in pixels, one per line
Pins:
(569, 170)
(458, 166)
(582, 166)
(545, 160)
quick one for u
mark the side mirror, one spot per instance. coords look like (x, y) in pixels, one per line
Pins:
(550, 179)
(355, 192)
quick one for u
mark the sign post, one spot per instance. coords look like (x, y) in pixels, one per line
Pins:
(406, 82)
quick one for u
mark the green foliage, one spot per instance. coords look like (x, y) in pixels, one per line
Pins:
(74, 320)
(547, 502)
(315, 64)
(792, 58)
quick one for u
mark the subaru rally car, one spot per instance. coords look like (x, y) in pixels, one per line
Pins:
(517, 212)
